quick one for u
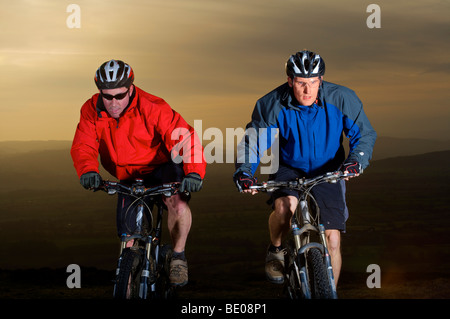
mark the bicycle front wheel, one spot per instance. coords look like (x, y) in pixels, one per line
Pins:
(317, 274)
(128, 277)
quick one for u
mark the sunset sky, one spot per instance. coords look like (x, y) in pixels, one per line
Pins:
(212, 59)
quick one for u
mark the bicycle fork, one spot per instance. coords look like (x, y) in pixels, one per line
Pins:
(299, 267)
(302, 244)
(328, 262)
(123, 244)
(148, 273)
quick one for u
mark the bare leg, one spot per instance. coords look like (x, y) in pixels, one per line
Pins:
(334, 247)
(280, 218)
(179, 221)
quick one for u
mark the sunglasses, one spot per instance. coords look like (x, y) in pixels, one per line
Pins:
(312, 84)
(119, 96)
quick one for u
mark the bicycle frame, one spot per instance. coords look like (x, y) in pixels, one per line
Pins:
(147, 239)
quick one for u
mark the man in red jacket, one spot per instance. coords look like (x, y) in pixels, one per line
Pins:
(138, 135)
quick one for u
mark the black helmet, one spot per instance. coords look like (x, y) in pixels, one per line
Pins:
(305, 64)
(114, 74)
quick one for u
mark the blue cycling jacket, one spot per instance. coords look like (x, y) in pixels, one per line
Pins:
(310, 137)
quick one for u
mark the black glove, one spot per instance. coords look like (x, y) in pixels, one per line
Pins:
(351, 167)
(244, 180)
(91, 180)
(192, 182)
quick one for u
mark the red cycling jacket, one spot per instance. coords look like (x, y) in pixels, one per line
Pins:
(148, 134)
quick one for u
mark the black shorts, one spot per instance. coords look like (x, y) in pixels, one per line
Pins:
(329, 197)
(126, 205)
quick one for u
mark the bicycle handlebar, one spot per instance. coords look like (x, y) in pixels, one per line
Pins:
(138, 189)
(302, 183)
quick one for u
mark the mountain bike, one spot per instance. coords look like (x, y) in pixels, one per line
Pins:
(143, 266)
(308, 271)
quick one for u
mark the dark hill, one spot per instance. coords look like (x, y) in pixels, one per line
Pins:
(387, 147)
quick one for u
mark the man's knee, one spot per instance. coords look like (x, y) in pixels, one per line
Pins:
(284, 208)
(285, 205)
(333, 239)
(176, 204)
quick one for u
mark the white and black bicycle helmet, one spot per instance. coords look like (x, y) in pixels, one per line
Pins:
(114, 74)
(305, 64)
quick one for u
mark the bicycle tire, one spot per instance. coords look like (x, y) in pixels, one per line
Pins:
(317, 274)
(128, 278)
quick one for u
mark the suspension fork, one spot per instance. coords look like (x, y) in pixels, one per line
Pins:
(123, 245)
(328, 261)
(301, 238)
(147, 275)
(156, 241)
(158, 232)
(152, 243)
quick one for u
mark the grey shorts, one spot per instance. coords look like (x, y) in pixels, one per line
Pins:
(330, 197)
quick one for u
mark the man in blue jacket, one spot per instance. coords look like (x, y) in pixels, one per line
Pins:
(311, 116)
